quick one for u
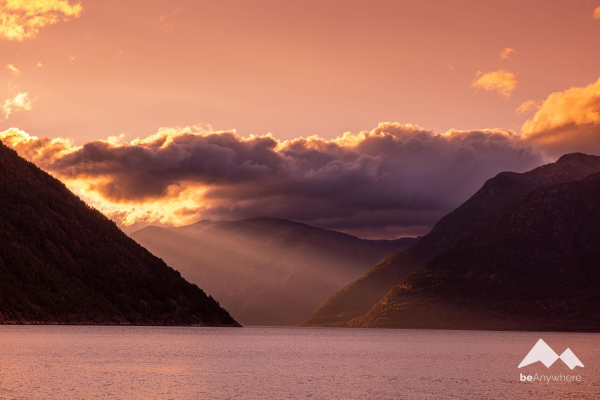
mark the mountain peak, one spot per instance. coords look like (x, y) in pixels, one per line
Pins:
(491, 279)
(577, 157)
(358, 298)
(204, 222)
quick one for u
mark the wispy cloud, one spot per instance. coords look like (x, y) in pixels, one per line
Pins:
(507, 53)
(23, 19)
(168, 20)
(13, 69)
(528, 106)
(597, 13)
(20, 102)
(502, 81)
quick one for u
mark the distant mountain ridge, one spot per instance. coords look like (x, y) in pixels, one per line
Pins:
(63, 262)
(356, 299)
(533, 264)
(266, 271)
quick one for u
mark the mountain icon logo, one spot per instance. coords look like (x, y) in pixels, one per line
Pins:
(543, 353)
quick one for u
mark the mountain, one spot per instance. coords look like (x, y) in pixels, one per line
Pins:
(266, 271)
(356, 299)
(534, 264)
(63, 262)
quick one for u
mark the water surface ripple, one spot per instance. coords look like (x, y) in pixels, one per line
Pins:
(84, 362)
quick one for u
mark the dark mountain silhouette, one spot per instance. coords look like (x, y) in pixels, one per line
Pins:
(534, 264)
(266, 271)
(63, 262)
(357, 298)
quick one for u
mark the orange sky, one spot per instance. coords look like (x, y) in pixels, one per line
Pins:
(295, 68)
(438, 96)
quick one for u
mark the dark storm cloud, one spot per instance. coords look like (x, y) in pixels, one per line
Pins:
(393, 176)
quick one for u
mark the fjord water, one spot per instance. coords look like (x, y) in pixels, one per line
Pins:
(165, 362)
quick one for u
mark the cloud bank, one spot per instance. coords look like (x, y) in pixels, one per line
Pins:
(23, 19)
(395, 178)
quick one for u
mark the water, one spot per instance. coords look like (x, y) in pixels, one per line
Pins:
(151, 362)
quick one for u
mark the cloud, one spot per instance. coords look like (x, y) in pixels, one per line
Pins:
(528, 106)
(168, 21)
(502, 81)
(507, 53)
(23, 19)
(20, 102)
(13, 69)
(567, 121)
(597, 13)
(394, 178)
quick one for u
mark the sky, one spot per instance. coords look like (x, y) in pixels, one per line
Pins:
(374, 118)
